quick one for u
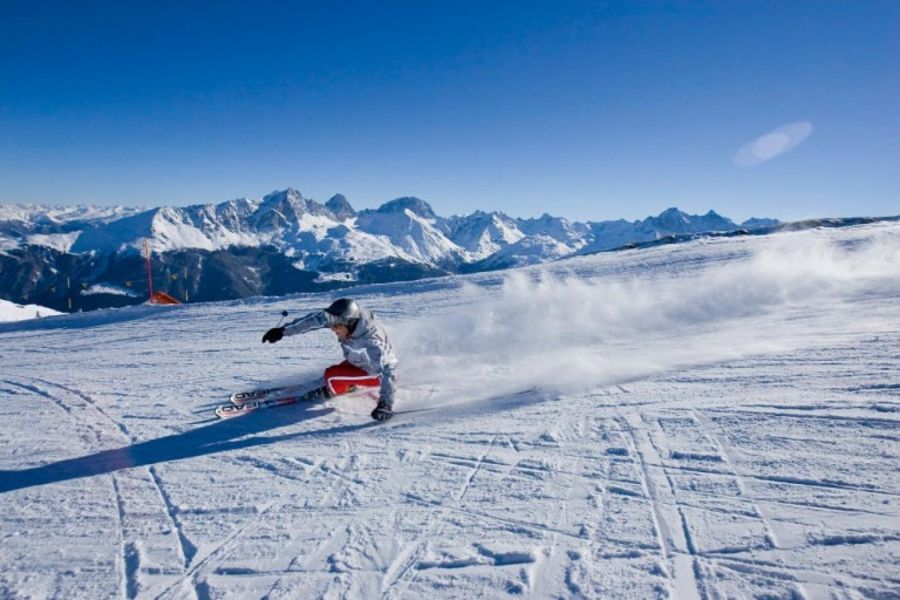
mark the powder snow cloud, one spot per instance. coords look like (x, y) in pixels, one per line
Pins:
(556, 331)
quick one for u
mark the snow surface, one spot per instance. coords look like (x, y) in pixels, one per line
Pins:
(58, 241)
(716, 419)
(10, 311)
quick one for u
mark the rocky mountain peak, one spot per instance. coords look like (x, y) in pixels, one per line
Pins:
(416, 205)
(340, 207)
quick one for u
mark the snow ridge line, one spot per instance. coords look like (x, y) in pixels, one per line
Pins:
(541, 586)
(187, 549)
(129, 555)
(475, 470)
(404, 562)
(58, 402)
(799, 481)
(398, 568)
(225, 546)
(127, 561)
(799, 575)
(708, 429)
(396, 573)
(881, 421)
(130, 565)
(684, 579)
(93, 403)
(291, 549)
(474, 513)
(395, 576)
(93, 425)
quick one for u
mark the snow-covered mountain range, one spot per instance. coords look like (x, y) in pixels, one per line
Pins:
(318, 235)
(89, 257)
(53, 227)
(286, 243)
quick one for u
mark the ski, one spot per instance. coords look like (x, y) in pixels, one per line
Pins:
(240, 398)
(400, 413)
(229, 411)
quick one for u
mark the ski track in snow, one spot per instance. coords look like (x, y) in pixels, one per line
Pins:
(743, 443)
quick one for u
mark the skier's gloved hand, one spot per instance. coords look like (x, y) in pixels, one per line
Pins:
(382, 412)
(273, 335)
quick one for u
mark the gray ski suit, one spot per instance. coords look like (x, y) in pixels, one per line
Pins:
(367, 347)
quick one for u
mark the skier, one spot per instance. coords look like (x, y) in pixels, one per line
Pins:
(369, 356)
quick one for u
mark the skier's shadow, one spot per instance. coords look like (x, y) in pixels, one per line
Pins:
(233, 434)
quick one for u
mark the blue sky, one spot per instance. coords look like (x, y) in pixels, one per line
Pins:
(588, 110)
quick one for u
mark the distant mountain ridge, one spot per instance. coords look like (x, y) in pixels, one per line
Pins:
(314, 244)
(405, 228)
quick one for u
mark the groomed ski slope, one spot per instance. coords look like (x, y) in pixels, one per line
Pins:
(716, 419)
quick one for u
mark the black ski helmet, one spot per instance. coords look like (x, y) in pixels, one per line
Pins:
(344, 311)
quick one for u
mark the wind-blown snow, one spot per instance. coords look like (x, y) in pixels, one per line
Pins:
(108, 289)
(554, 330)
(342, 277)
(705, 420)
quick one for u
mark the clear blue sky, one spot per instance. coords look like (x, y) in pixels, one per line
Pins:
(588, 110)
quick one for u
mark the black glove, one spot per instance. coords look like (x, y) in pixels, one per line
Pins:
(273, 335)
(382, 412)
